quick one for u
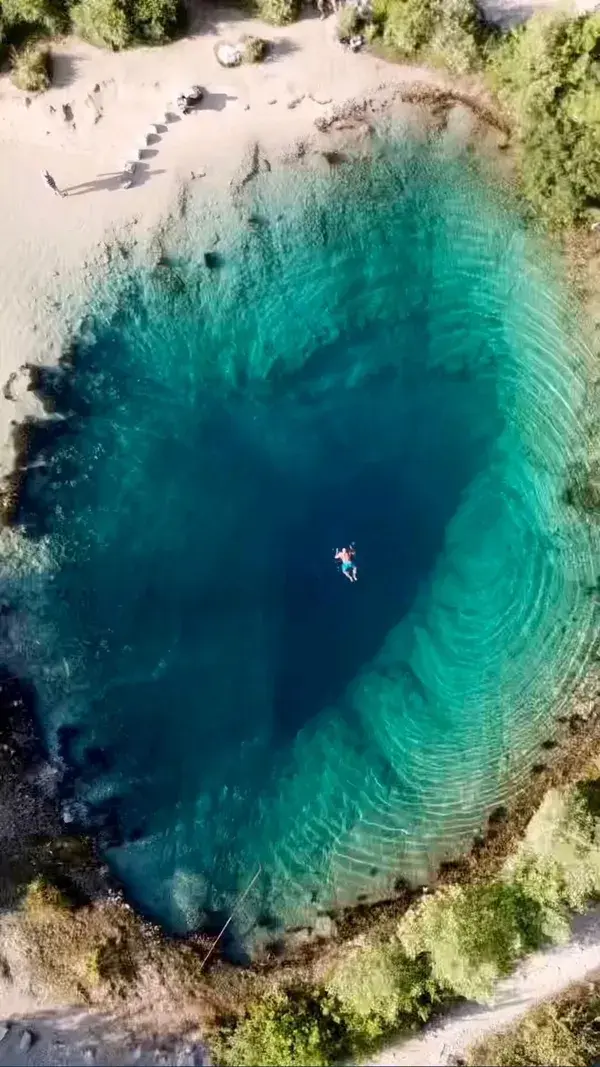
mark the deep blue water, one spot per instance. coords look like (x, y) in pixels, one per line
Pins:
(380, 357)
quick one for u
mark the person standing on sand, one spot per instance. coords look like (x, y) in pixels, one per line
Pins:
(49, 181)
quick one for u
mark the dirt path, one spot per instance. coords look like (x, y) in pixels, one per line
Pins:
(538, 978)
(76, 1038)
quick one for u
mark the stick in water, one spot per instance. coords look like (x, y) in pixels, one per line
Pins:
(235, 908)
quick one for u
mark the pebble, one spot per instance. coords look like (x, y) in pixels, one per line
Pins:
(26, 1041)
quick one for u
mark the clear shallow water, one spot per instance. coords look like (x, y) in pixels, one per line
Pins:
(380, 357)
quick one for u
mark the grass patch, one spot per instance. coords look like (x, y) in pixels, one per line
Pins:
(558, 861)
(254, 49)
(278, 12)
(564, 1033)
(102, 954)
(31, 67)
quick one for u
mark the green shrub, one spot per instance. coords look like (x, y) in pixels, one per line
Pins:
(278, 12)
(31, 67)
(379, 988)
(546, 74)
(558, 862)
(449, 33)
(154, 20)
(294, 1029)
(473, 934)
(458, 37)
(554, 1035)
(348, 22)
(409, 25)
(49, 15)
(43, 900)
(255, 49)
(103, 23)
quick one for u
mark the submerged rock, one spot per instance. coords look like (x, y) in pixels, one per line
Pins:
(213, 260)
(27, 1039)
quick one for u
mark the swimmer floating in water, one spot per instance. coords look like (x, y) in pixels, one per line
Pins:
(348, 565)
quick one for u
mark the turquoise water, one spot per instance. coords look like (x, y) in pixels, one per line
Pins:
(380, 356)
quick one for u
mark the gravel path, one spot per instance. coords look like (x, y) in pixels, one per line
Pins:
(76, 1038)
(540, 977)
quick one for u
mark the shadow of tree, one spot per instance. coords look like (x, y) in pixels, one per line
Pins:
(199, 21)
(65, 69)
(281, 47)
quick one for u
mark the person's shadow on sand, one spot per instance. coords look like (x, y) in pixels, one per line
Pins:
(112, 182)
(214, 102)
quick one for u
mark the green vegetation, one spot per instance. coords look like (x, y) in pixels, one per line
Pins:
(113, 24)
(278, 12)
(296, 1027)
(100, 953)
(455, 942)
(102, 22)
(379, 988)
(255, 49)
(558, 862)
(547, 74)
(564, 1033)
(473, 935)
(31, 67)
(48, 15)
(448, 33)
(348, 23)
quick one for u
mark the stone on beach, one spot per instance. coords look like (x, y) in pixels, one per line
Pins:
(187, 100)
(228, 55)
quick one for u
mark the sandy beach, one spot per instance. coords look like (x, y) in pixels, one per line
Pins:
(101, 111)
